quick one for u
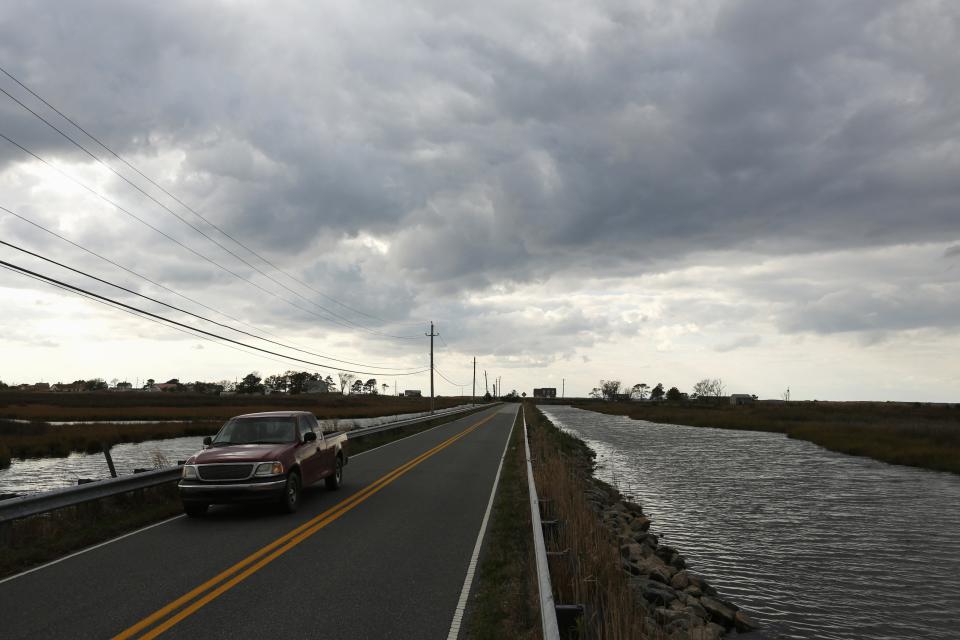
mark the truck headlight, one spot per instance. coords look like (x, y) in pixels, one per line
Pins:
(189, 472)
(269, 469)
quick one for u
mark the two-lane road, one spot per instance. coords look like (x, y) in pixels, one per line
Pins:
(384, 557)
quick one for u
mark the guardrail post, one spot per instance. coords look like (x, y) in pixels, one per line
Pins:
(106, 454)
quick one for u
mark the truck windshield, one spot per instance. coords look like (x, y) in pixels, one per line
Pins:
(257, 431)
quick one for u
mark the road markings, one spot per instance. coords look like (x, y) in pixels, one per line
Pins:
(472, 567)
(222, 582)
(96, 546)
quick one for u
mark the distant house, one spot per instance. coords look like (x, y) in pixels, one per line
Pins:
(742, 398)
(412, 393)
(153, 388)
(545, 392)
(167, 386)
(41, 386)
(67, 388)
(316, 386)
(124, 386)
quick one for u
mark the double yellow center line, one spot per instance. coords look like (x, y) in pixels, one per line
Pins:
(190, 602)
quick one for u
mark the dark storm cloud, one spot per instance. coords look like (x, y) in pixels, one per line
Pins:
(515, 143)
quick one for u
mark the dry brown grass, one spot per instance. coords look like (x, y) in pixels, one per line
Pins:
(590, 573)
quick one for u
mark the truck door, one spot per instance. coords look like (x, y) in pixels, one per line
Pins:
(327, 453)
(309, 453)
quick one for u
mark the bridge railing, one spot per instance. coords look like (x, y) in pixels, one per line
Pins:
(548, 608)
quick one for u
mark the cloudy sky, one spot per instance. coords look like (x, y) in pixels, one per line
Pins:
(761, 191)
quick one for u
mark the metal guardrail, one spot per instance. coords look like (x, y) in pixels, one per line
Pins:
(366, 431)
(548, 608)
(30, 505)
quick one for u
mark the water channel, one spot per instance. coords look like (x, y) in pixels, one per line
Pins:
(814, 544)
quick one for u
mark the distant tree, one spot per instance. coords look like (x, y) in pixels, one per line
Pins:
(709, 388)
(227, 385)
(277, 382)
(4, 385)
(610, 389)
(345, 380)
(297, 381)
(250, 383)
(674, 395)
(657, 392)
(487, 397)
(370, 386)
(385, 387)
(172, 381)
(150, 383)
(94, 384)
(329, 381)
(596, 392)
(639, 391)
(357, 386)
(524, 394)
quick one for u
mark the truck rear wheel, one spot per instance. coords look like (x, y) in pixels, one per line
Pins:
(291, 492)
(333, 480)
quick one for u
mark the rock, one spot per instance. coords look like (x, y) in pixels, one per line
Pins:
(702, 585)
(744, 623)
(640, 523)
(680, 581)
(656, 593)
(630, 550)
(720, 611)
(631, 567)
(665, 616)
(678, 627)
(693, 591)
(706, 632)
(678, 563)
(698, 612)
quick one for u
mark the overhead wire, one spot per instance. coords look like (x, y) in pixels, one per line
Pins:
(181, 244)
(176, 199)
(135, 310)
(343, 320)
(190, 313)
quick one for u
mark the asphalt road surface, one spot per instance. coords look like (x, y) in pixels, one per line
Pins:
(383, 557)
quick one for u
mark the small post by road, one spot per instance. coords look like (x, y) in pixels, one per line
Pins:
(106, 454)
(474, 379)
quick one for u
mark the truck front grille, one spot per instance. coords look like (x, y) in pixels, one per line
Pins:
(225, 471)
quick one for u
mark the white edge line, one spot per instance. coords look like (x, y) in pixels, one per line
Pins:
(96, 546)
(472, 567)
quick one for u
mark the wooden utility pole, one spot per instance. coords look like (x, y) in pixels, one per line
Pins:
(474, 380)
(563, 388)
(486, 384)
(432, 335)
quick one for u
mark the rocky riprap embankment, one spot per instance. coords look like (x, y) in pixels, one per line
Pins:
(682, 603)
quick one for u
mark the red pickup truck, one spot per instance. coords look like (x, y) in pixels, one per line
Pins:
(262, 457)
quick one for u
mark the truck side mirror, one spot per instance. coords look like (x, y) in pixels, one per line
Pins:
(207, 441)
(309, 436)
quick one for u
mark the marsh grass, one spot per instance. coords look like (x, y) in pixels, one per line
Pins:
(504, 601)
(914, 434)
(589, 573)
(194, 406)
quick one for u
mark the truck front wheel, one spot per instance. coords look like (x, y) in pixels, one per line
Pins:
(291, 492)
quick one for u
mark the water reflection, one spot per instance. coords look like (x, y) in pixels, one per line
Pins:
(815, 544)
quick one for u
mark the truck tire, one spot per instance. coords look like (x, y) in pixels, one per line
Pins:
(195, 509)
(291, 492)
(333, 480)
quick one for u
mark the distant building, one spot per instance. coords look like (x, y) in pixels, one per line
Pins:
(412, 393)
(124, 386)
(742, 398)
(545, 392)
(316, 386)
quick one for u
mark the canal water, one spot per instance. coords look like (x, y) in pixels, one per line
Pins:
(814, 544)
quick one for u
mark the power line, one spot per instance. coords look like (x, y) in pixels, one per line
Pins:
(135, 310)
(440, 373)
(175, 198)
(190, 313)
(345, 321)
(184, 246)
(158, 284)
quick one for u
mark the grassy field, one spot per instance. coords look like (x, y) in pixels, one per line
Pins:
(914, 434)
(202, 415)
